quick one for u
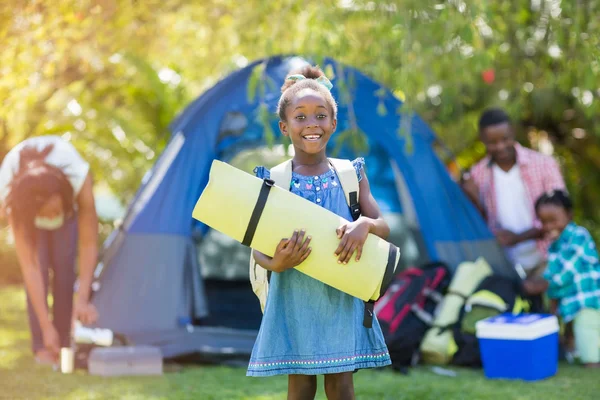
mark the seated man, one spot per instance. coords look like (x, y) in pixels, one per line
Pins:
(504, 186)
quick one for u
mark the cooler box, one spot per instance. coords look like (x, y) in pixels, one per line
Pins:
(519, 346)
(126, 360)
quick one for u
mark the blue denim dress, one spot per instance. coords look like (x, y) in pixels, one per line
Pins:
(309, 327)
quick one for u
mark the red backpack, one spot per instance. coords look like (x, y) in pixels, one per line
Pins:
(405, 311)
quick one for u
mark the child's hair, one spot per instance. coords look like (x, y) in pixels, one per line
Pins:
(33, 184)
(557, 197)
(292, 86)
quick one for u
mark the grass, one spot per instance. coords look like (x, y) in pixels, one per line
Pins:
(21, 378)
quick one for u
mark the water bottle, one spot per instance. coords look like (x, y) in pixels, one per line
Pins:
(97, 336)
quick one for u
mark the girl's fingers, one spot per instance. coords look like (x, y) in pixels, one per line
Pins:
(304, 247)
(359, 252)
(341, 246)
(344, 254)
(350, 253)
(282, 244)
(299, 241)
(305, 255)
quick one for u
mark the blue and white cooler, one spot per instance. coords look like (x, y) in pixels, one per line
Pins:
(519, 346)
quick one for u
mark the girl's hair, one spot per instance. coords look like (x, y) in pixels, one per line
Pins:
(558, 198)
(31, 187)
(291, 87)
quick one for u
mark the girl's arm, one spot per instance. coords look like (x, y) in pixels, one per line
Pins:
(88, 251)
(369, 209)
(263, 260)
(354, 234)
(559, 278)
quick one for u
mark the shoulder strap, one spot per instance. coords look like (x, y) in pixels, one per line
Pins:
(347, 174)
(282, 174)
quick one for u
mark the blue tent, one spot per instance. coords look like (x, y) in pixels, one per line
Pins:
(152, 282)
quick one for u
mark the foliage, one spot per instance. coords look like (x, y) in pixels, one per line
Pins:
(113, 74)
(22, 378)
(110, 75)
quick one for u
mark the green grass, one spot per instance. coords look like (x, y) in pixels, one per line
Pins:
(21, 378)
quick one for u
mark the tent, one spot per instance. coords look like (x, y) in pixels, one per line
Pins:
(167, 280)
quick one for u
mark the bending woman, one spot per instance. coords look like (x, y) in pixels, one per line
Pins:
(46, 195)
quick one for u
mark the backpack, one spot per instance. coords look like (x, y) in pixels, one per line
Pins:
(405, 312)
(494, 295)
(282, 176)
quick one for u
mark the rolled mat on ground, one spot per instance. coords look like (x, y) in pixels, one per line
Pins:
(438, 346)
(259, 214)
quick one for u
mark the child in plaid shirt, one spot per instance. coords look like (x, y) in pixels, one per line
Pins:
(573, 273)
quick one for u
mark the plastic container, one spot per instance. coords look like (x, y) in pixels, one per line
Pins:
(519, 346)
(125, 360)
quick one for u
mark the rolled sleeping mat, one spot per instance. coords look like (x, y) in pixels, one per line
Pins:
(438, 346)
(259, 214)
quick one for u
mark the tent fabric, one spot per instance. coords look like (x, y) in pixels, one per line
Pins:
(148, 279)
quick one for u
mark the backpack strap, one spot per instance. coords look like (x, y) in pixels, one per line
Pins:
(349, 180)
(282, 174)
(347, 175)
(259, 277)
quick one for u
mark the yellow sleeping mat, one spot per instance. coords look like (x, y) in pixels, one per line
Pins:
(259, 214)
(438, 346)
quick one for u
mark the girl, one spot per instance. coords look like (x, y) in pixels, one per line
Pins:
(46, 193)
(573, 273)
(310, 328)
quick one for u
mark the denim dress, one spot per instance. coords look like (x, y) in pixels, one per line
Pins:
(309, 327)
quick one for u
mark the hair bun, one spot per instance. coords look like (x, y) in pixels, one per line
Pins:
(309, 72)
(31, 153)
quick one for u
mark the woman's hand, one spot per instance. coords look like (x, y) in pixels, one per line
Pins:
(353, 236)
(51, 339)
(291, 252)
(85, 312)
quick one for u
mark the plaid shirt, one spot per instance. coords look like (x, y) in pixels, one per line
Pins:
(574, 272)
(540, 174)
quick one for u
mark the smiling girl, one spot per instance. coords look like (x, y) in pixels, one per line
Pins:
(310, 328)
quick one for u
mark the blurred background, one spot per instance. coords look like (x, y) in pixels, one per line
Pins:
(111, 75)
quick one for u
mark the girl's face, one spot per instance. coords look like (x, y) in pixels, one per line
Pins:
(310, 122)
(554, 219)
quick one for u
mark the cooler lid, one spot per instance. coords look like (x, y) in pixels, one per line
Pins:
(517, 327)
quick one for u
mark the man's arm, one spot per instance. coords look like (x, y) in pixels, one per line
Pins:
(531, 234)
(88, 241)
(471, 189)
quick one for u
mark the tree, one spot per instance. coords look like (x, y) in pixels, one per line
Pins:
(113, 74)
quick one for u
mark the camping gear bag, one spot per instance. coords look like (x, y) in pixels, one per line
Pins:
(438, 346)
(495, 295)
(87, 339)
(258, 214)
(282, 176)
(125, 360)
(406, 310)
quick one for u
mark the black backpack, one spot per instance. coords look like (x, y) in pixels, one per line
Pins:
(405, 311)
(494, 295)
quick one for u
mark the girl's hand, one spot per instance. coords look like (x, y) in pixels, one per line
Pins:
(353, 237)
(291, 252)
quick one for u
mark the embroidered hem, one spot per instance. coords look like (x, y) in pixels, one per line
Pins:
(319, 367)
